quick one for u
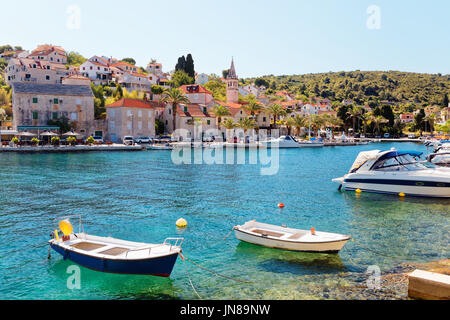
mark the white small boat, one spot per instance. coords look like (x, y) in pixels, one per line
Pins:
(281, 237)
(310, 144)
(160, 147)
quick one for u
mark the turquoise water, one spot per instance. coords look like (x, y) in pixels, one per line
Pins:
(139, 196)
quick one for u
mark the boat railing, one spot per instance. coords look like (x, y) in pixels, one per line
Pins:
(178, 243)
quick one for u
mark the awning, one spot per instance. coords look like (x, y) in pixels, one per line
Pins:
(43, 128)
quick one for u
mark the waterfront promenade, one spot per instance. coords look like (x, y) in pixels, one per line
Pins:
(64, 149)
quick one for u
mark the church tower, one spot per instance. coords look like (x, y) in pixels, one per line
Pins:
(232, 85)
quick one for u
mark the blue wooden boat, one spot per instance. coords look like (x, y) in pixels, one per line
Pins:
(106, 254)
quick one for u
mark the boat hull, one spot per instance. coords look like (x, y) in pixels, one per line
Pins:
(322, 247)
(156, 266)
(409, 188)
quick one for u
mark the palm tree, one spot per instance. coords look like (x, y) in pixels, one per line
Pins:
(317, 122)
(229, 124)
(220, 111)
(430, 119)
(364, 117)
(174, 96)
(276, 110)
(299, 122)
(252, 107)
(377, 122)
(354, 114)
(246, 124)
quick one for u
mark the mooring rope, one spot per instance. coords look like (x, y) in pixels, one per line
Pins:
(189, 277)
(228, 234)
(213, 272)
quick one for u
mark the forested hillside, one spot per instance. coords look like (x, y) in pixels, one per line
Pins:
(371, 87)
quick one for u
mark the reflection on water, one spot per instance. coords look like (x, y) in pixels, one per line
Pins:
(297, 263)
(139, 196)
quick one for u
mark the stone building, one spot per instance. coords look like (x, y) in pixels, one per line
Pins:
(131, 117)
(35, 104)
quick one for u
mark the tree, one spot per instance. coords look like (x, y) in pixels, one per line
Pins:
(299, 122)
(157, 89)
(354, 114)
(419, 120)
(225, 73)
(99, 101)
(129, 60)
(377, 121)
(180, 78)
(63, 124)
(119, 92)
(181, 64)
(253, 107)
(174, 96)
(276, 110)
(445, 102)
(262, 82)
(246, 124)
(75, 59)
(3, 116)
(189, 68)
(220, 111)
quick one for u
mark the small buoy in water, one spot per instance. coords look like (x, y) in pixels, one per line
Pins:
(401, 194)
(281, 205)
(313, 231)
(358, 191)
(181, 223)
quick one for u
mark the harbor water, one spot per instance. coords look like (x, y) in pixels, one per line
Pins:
(139, 197)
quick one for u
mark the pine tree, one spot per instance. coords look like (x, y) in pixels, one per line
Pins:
(445, 102)
(189, 67)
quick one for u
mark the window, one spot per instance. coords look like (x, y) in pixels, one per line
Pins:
(55, 101)
(149, 114)
(129, 113)
(112, 113)
(149, 124)
(73, 116)
(264, 119)
(208, 122)
(35, 115)
(112, 125)
(140, 114)
(78, 101)
(185, 109)
(129, 125)
(47, 77)
(54, 115)
(35, 100)
(140, 125)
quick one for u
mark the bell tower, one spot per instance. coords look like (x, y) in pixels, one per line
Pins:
(232, 85)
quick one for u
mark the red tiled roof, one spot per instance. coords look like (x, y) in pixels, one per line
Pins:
(135, 103)
(196, 88)
(193, 110)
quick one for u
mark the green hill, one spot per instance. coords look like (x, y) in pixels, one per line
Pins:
(371, 87)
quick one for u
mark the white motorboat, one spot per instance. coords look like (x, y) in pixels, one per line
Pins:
(160, 147)
(441, 156)
(310, 144)
(281, 142)
(281, 237)
(396, 172)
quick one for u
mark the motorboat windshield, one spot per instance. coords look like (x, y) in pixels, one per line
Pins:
(399, 161)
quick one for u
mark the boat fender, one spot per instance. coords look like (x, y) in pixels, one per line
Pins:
(313, 231)
(401, 195)
(56, 235)
(281, 205)
(358, 191)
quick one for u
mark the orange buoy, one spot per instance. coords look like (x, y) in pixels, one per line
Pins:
(313, 231)
(281, 205)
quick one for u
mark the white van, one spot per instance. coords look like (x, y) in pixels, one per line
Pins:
(128, 140)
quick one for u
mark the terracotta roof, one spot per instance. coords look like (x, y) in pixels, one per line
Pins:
(193, 88)
(77, 77)
(135, 103)
(193, 110)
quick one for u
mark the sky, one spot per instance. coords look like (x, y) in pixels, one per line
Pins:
(264, 37)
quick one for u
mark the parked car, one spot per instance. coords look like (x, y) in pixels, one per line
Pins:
(411, 136)
(128, 140)
(141, 140)
(387, 135)
(98, 139)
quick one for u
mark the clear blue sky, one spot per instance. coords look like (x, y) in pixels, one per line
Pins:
(265, 37)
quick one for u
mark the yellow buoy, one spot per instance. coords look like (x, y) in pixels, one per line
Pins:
(181, 223)
(401, 194)
(358, 191)
(66, 227)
